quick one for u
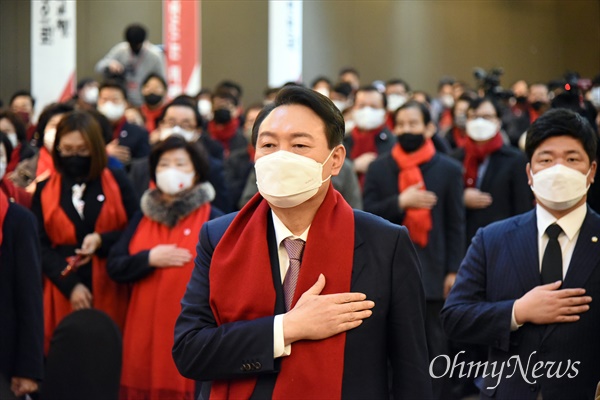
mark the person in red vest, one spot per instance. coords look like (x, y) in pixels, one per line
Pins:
(154, 254)
(81, 211)
(154, 92)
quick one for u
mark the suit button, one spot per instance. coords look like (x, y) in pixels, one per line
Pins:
(247, 367)
(257, 365)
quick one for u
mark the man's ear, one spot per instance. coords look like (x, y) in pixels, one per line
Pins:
(430, 130)
(528, 172)
(338, 156)
(592, 175)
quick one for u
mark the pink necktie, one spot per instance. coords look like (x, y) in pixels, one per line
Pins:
(294, 248)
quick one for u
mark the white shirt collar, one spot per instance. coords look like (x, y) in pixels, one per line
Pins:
(570, 223)
(282, 231)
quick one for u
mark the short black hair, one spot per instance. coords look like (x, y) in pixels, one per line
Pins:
(320, 79)
(49, 111)
(346, 70)
(447, 80)
(135, 34)
(371, 88)
(233, 87)
(84, 81)
(561, 122)
(397, 81)
(223, 93)
(477, 102)
(154, 75)
(7, 146)
(113, 84)
(20, 93)
(17, 122)
(343, 88)
(415, 104)
(183, 101)
(195, 150)
(321, 105)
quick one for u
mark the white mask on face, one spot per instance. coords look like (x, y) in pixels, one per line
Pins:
(349, 126)
(287, 179)
(172, 181)
(111, 110)
(323, 91)
(341, 105)
(49, 136)
(205, 108)
(189, 136)
(394, 101)
(2, 168)
(90, 95)
(480, 129)
(447, 100)
(12, 137)
(367, 118)
(595, 96)
(559, 187)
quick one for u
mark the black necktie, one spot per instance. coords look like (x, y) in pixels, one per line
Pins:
(552, 261)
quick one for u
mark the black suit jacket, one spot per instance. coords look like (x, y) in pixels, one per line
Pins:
(502, 265)
(385, 268)
(445, 248)
(384, 141)
(21, 310)
(136, 139)
(506, 180)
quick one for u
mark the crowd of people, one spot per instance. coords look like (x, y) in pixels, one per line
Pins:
(103, 198)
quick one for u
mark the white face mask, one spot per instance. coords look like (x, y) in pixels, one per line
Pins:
(447, 100)
(480, 129)
(12, 137)
(349, 126)
(287, 179)
(111, 110)
(90, 95)
(205, 108)
(49, 136)
(324, 92)
(559, 187)
(395, 101)
(189, 136)
(172, 181)
(341, 105)
(2, 168)
(367, 118)
(595, 96)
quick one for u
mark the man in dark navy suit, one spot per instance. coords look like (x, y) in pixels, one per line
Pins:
(526, 285)
(298, 295)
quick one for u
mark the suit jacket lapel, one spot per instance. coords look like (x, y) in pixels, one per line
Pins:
(275, 270)
(360, 258)
(523, 249)
(490, 171)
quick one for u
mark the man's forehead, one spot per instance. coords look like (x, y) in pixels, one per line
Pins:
(293, 117)
(562, 144)
(179, 112)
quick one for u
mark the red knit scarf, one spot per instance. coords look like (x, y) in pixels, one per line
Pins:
(149, 371)
(314, 370)
(460, 137)
(45, 162)
(416, 220)
(3, 210)
(475, 153)
(223, 132)
(150, 115)
(363, 141)
(109, 296)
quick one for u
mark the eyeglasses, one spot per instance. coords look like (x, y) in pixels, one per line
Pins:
(68, 152)
(185, 125)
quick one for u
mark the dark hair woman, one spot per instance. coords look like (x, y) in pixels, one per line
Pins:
(155, 253)
(81, 211)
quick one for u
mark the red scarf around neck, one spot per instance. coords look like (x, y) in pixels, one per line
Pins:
(109, 296)
(475, 154)
(460, 137)
(149, 371)
(150, 115)
(363, 141)
(223, 132)
(314, 370)
(45, 162)
(3, 210)
(417, 220)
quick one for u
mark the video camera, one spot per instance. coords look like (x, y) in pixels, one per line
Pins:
(490, 83)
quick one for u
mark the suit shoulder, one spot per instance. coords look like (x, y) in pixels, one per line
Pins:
(135, 130)
(216, 227)
(369, 224)
(447, 162)
(19, 215)
(511, 152)
(505, 225)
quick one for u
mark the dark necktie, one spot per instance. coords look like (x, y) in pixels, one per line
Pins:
(294, 248)
(552, 261)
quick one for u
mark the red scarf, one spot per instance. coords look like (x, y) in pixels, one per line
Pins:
(45, 162)
(224, 132)
(150, 116)
(3, 210)
(15, 193)
(15, 158)
(314, 370)
(109, 296)
(460, 137)
(118, 128)
(416, 220)
(148, 368)
(363, 141)
(251, 152)
(475, 153)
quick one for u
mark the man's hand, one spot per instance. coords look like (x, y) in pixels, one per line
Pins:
(448, 283)
(115, 67)
(168, 255)
(546, 304)
(414, 197)
(317, 316)
(22, 386)
(81, 297)
(475, 198)
(121, 153)
(362, 162)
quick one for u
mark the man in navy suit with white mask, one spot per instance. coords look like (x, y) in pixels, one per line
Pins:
(298, 295)
(526, 285)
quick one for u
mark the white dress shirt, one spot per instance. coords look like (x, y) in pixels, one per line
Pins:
(571, 225)
(281, 233)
